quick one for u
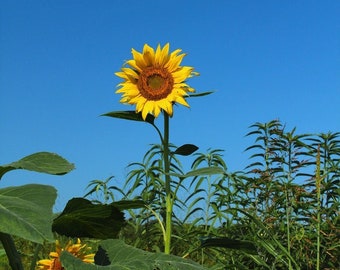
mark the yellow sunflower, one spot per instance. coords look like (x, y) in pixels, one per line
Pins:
(78, 250)
(154, 80)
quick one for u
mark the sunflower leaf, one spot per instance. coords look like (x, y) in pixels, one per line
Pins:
(26, 211)
(200, 94)
(114, 254)
(130, 115)
(229, 243)
(82, 218)
(185, 150)
(43, 162)
(129, 204)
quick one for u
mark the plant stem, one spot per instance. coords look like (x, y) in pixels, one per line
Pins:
(318, 207)
(288, 202)
(12, 254)
(35, 257)
(168, 199)
(288, 213)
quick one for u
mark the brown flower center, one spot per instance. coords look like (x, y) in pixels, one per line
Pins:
(155, 83)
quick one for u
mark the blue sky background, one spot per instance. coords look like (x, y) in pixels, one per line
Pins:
(265, 60)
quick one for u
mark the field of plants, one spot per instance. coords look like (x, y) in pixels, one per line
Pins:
(280, 212)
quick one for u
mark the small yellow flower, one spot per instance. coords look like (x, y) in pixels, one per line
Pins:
(154, 80)
(78, 250)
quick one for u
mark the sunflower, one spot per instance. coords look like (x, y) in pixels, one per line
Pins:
(154, 80)
(78, 250)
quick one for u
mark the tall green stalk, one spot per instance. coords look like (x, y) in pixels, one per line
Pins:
(168, 199)
(288, 213)
(318, 207)
(288, 201)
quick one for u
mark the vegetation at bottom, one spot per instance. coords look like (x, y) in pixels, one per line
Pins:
(280, 212)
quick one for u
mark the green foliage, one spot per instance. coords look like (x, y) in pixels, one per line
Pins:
(281, 190)
(26, 211)
(43, 162)
(281, 212)
(118, 256)
(272, 204)
(131, 115)
(229, 243)
(185, 150)
(81, 218)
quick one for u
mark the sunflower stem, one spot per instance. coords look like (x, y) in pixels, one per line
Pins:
(168, 199)
(12, 253)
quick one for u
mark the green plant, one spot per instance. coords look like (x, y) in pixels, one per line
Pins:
(264, 218)
(26, 211)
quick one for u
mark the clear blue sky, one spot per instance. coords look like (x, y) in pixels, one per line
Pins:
(264, 60)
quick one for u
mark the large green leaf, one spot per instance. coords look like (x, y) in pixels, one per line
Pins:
(82, 218)
(26, 211)
(43, 162)
(119, 256)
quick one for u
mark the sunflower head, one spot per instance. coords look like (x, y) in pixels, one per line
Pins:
(154, 80)
(78, 250)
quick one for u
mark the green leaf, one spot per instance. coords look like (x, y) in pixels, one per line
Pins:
(129, 204)
(43, 162)
(268, 246)
(185, 150)
(200, 94)
(26, 211)
(130, 115)
(205, 171)
(225, 242)
(119, 256)
(81, 218)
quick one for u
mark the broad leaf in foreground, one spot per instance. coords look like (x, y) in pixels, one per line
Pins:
(26, 211)
(82, 218)
(119, 256)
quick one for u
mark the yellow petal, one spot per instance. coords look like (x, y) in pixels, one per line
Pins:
(181, 101)
(134, 65)
(46, 262)
(121, 75)
(148, 55)
(139, 59)
(166, 106)
(156, 110)
(54, 254)
(162, 55)
(174, 63)
(182, 74)
(130, 72)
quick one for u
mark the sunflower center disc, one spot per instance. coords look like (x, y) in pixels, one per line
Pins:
(155, 83)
